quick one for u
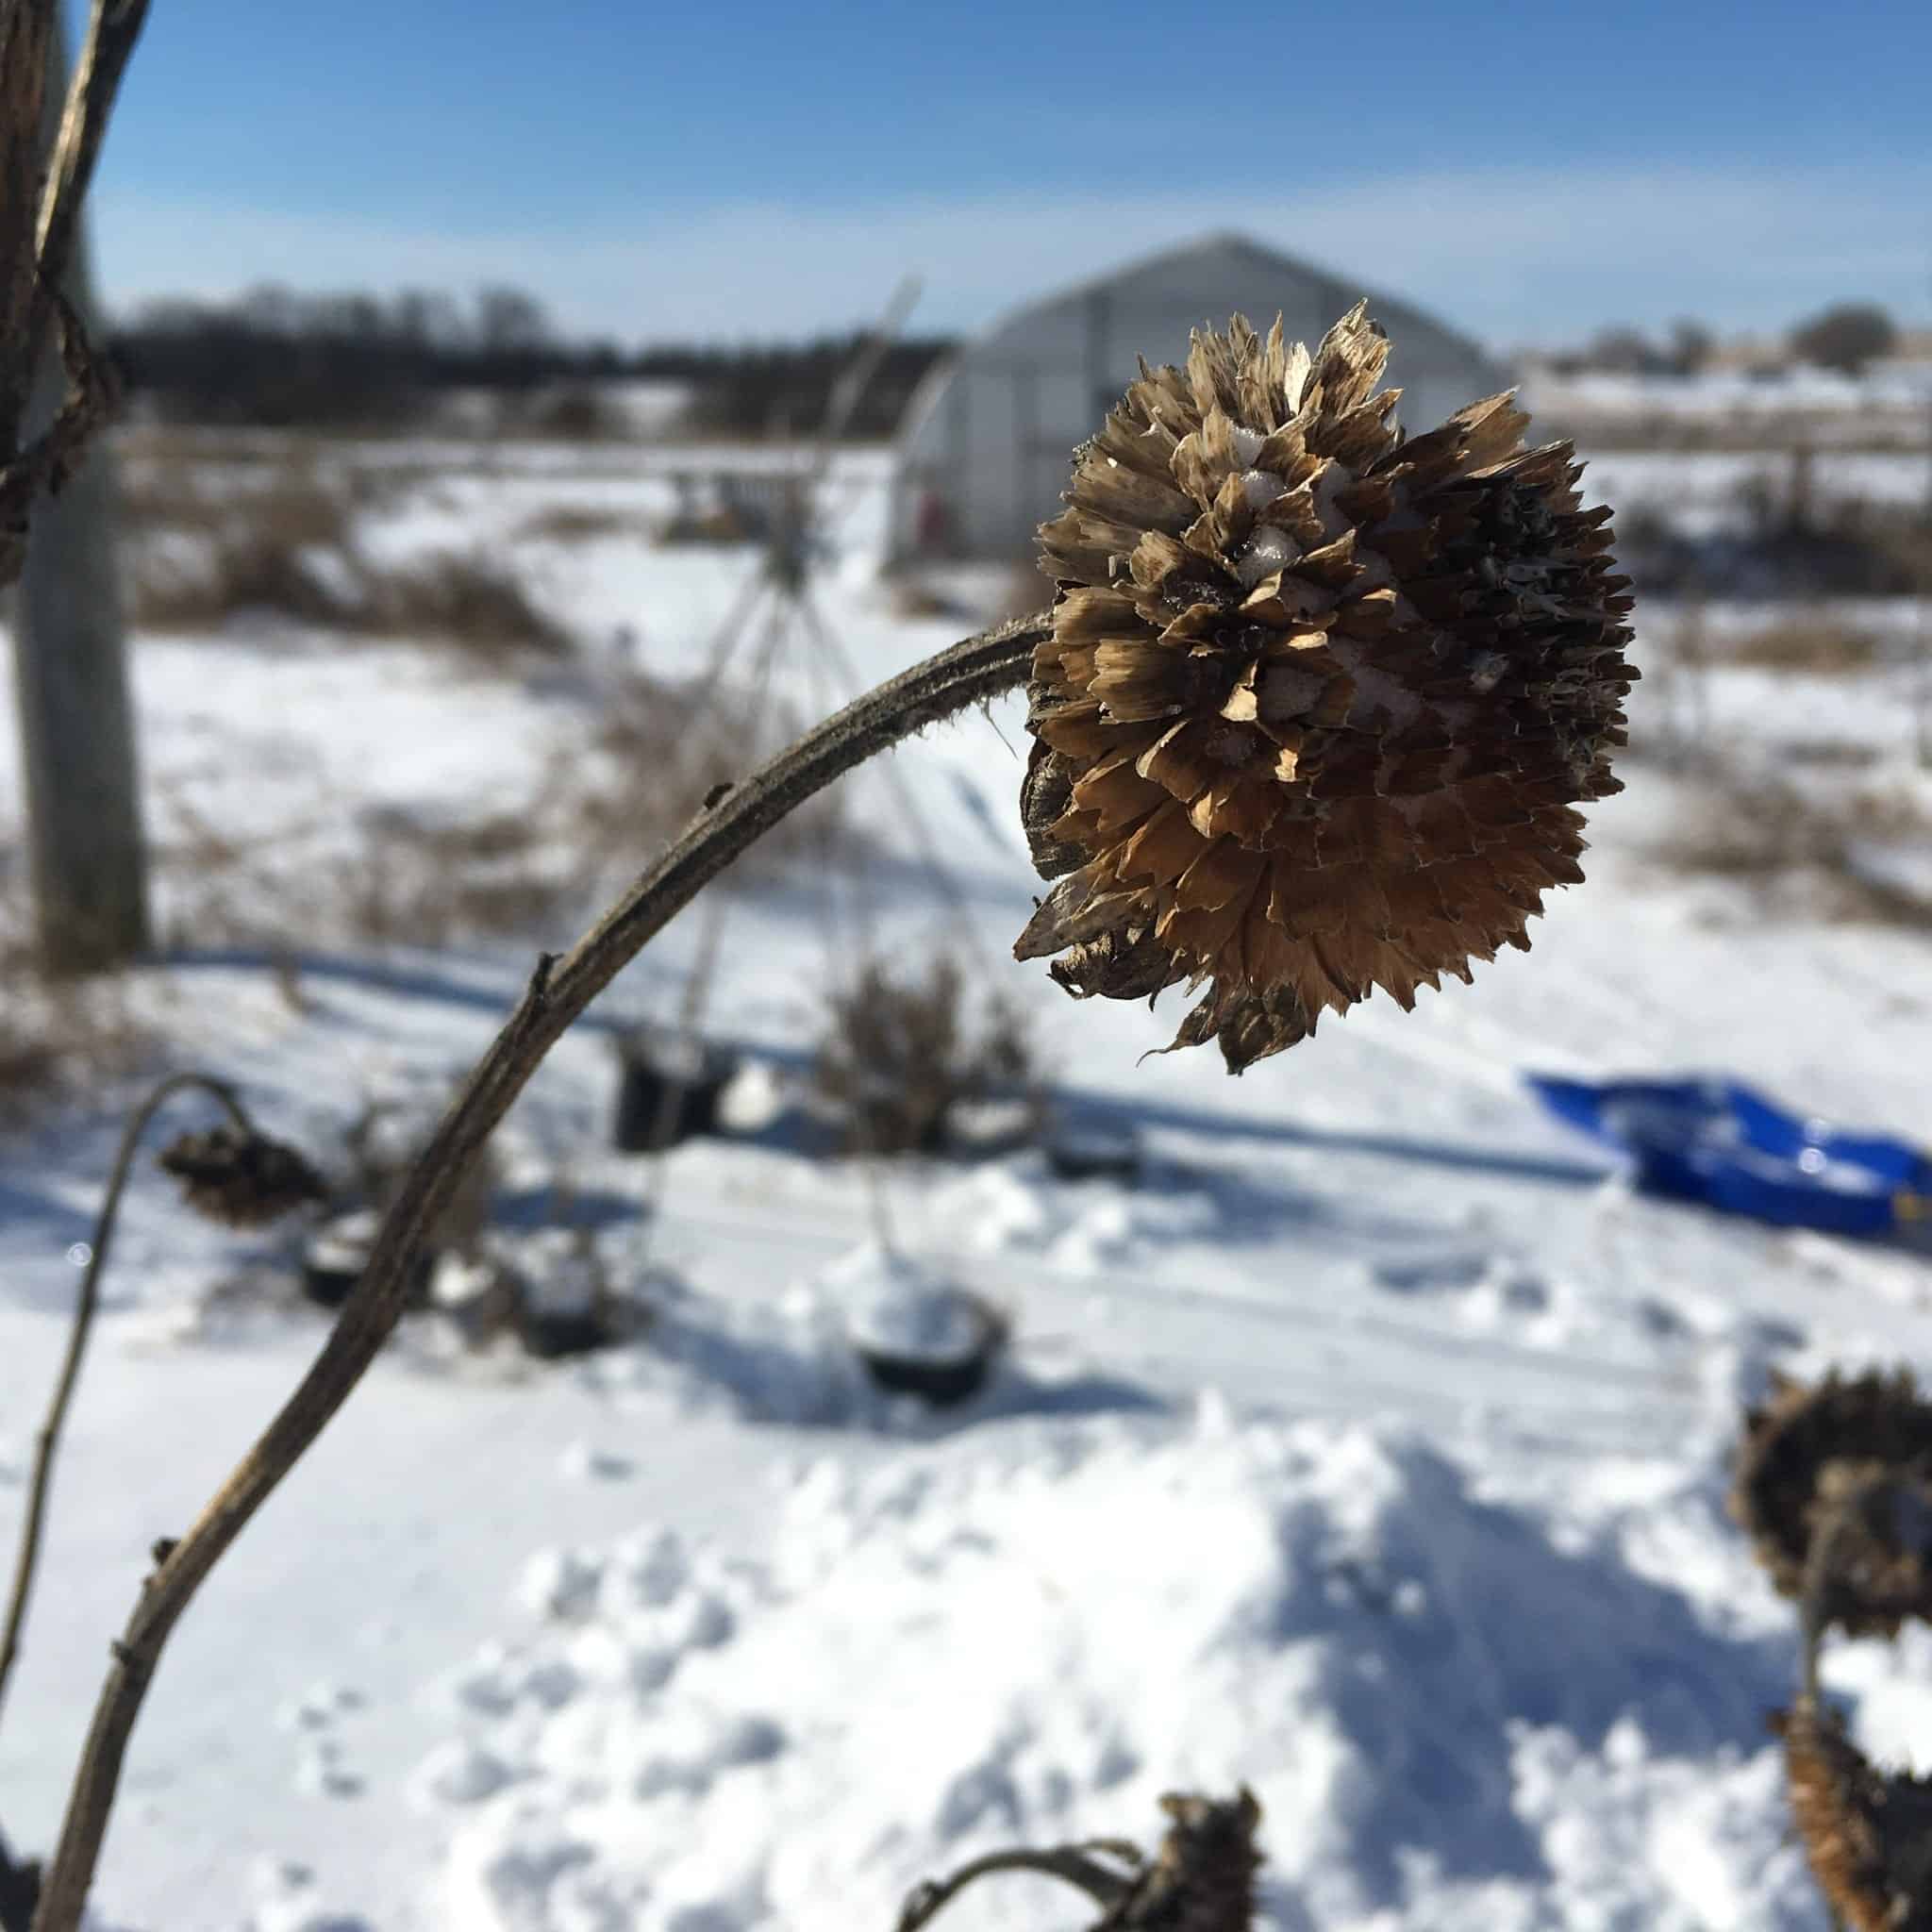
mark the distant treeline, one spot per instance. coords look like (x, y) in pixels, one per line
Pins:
(274, 358)
(747, 391)
(1846, 337)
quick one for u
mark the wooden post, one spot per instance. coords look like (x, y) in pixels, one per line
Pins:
(88, 857)
(1924, 611)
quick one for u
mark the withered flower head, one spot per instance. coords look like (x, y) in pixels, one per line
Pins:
(1203, 1879)
(242, 1180)
(1319, 697)
(1867, 1834)
(1811, 1448)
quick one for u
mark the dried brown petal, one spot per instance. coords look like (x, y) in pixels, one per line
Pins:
(1318, 697)
(242, 1180)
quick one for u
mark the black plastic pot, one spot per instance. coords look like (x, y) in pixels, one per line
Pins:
(336, 1254)
(667, 1091)
(940, 1383)
(940, 1380)
(566, 1305)
(20, 1891)
(549, 1337)
(1086, 1154)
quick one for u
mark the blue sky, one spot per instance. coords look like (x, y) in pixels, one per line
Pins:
(760, 169)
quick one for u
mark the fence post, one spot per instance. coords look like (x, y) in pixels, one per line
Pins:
(87, 856)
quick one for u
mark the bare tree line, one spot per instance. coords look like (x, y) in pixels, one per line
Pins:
(278, 357)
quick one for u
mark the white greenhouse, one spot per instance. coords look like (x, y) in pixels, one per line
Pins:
(985, 448)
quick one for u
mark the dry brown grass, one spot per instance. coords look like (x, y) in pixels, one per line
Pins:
(1813, 642)
(570, 412)
(291, 500)
(1830, 753)
(594, 814)
(527, 866)
(279, 538)
(58, 1040)
(1785, 843)
(240, 575)
(901, 1052)
(460, 598)
(724, 528)
(463, 600)
(585, 523)
(203, 548)
(662, 748)
(411, 883)
(382, 877)
(30, 1069)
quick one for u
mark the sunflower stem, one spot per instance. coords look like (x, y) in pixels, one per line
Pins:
(47, 1444)
(560, 990)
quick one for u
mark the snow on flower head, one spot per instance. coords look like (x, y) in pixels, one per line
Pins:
(1319, 697)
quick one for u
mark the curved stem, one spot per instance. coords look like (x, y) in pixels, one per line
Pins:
(1821, 1568)
(979, 668)
(48, 1442)
(112, 29)
(1069, 1862)
(46, 172)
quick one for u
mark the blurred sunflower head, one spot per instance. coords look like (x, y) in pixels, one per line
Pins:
(1867, 1833)
(1318, 699)
(1805, 1458)
(242, 1180)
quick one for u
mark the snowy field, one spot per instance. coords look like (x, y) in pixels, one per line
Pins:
(1371, 1449)
(1707, 493)
(1883, 408)
(1772, 395)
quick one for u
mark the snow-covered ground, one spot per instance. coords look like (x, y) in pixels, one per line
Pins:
(1369, 1448)
(1770, 396)
(643, 407)
(1883, 408)
(1705, 493)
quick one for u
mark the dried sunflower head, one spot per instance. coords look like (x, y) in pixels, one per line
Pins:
(1203, 1879)
(242, 1180)
(1809, 1449)
(1867, 1833)
(1319, 698)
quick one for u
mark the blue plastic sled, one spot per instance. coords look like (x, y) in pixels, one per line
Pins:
(1721, 1143)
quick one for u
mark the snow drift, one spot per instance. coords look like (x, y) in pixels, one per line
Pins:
(1451, 1710)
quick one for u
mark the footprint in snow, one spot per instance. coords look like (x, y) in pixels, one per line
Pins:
(1430, 1274)
(459, 1773)
(289, 1901)
(320, 1707)
(581, 1462)
(319, 1768)
(319, 1773)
